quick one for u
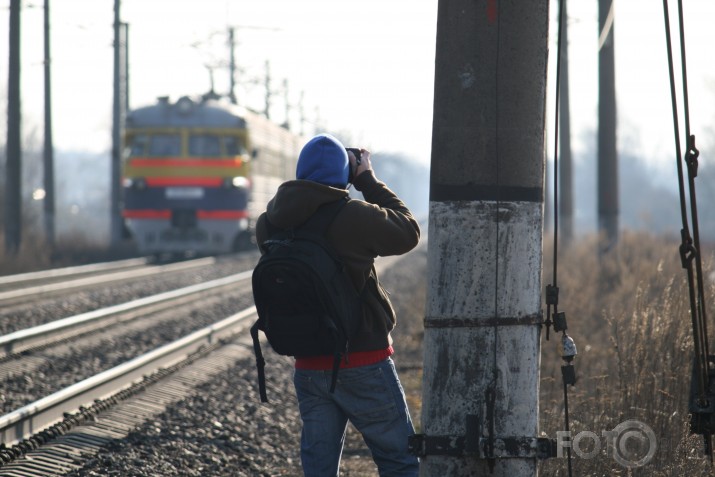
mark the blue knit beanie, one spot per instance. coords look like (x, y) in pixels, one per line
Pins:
(324, 159)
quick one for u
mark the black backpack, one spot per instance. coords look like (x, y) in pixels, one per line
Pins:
(307, 305)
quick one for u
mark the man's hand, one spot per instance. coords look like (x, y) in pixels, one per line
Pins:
(364, 165)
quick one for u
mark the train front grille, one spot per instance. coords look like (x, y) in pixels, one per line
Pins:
(183, 219)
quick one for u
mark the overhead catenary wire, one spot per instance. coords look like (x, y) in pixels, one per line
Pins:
(552, 291)
(691, 157)
(688, 247)
(690, 252)
(490, 394)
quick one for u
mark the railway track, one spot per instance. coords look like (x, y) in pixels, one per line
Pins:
(56, 274)
(55, 331)
(33, 286)
(40, 415)
(44, 276)
(43, 299)
(28, 350)
(49, 435)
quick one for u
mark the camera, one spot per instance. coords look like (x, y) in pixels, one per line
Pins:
(358, 160)
(357, 153)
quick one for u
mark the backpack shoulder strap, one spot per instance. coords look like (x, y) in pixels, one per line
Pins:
(319, 222)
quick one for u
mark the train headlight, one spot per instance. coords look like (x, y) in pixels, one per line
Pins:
(134, 182)
(239, 182)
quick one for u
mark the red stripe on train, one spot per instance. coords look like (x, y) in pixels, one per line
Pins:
(146, 214)
(183, 181)
(222, 214)
(201, 214)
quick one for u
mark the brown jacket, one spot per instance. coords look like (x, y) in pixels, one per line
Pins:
(380, 225)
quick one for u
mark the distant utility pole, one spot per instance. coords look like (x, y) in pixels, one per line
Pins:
(607, 154)
(286, 123)
(117, 118)
(301, 112)
(13, 173)
(125, 65)
(267, 83)
(232, 65)
(483, 312)
(233, 68)
(566, 202)
(48, 155)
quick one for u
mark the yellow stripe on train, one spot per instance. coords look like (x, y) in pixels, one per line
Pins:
(184, 167)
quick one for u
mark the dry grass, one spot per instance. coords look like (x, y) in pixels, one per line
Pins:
(35, 254)
(629, 315)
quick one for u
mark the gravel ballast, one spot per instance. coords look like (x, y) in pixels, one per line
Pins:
(224, 430)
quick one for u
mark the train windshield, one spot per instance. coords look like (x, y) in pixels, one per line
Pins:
(164, 145)
(157, 145)
(209, 145)
(170, 145)
(137, 145)
(234, 146)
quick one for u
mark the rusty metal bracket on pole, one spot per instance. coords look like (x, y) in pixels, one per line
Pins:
(473, 444)
(471, 322)
(702, 405)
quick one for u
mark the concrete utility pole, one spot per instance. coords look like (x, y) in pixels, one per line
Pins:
(13, 165)
(48, 150)
(481, 345)
(607, 154)
(566, 204)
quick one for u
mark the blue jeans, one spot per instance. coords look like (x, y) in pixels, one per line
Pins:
(371, 397)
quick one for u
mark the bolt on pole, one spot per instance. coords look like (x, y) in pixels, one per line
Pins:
(481, 344)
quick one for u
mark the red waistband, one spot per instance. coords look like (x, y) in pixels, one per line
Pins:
(356, 359)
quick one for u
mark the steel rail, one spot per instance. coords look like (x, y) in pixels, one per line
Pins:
(43, 413)
(42, 275)
(22, 340)
(39, 291)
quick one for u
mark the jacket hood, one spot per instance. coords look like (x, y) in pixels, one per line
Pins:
(324, 159)
(295, 201)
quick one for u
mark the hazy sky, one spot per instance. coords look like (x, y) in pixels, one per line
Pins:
(367, 65)
(645, 125)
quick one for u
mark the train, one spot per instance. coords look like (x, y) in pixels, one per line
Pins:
(197, 172)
